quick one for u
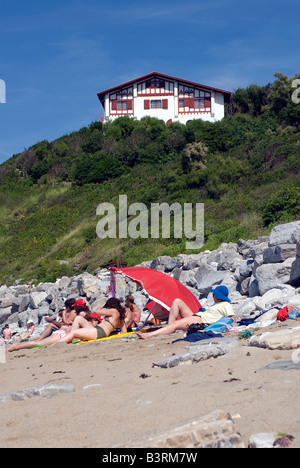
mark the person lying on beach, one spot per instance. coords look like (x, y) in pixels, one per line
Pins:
(84, 329)
(114, 317)
(221, 308)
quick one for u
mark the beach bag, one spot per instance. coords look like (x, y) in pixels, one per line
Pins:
(221, 326)
(195, 327)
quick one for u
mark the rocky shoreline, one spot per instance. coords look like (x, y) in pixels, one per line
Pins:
(261, 275)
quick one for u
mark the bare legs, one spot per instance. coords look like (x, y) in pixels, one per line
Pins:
(31, 344)
(181, 325)
(82, 329)
(179, 308)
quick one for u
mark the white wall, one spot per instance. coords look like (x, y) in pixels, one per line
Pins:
(217, 109)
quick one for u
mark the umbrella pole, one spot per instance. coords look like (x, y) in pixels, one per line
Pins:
(149, 315)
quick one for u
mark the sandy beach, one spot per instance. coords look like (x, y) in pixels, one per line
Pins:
(121, 396)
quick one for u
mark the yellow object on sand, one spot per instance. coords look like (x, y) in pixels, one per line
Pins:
(117, 335)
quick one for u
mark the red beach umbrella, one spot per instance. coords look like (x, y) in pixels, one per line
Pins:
(160, 287)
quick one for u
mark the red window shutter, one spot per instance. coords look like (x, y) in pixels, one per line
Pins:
(147, 104)
(207, 102)
(165, 103)
(189, 102)
(129, 104)
(114, 105)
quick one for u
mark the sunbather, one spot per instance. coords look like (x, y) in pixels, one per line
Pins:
(84, 329)
(221, 308)
(63, 321)
(133, 311)
(29, 332)
(114, 317)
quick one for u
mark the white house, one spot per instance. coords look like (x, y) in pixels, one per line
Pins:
(164, 97)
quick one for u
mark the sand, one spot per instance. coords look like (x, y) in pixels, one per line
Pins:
(120, 396)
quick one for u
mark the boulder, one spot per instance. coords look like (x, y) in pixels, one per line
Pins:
(295, 271)
(286, 338)
(270, 274)
(4, 315)
(36, 298)
(279, 253)
(215, 430)
(285, 234)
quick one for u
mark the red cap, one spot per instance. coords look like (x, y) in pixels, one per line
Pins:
(79, 303)
(96, 316)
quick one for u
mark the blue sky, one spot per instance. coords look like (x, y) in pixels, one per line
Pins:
(56, 55)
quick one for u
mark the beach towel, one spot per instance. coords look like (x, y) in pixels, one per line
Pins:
(223, 325)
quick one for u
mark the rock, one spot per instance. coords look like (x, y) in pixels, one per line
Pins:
(285, 234)
(215, 430)
(245, 268)
(4, 315)
(279, 253)
(45, 391)
(7, 300)
(200, 351)
(270, 274)
(228, 259)
(160, 262)
(24, 304)
(262, 440)
(87, 284)
(16, 304)
(253, 289)
(295, 271)
(36, 298)
(286, 338)
(281, 365)
(258, 249)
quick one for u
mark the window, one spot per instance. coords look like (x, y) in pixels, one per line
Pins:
(155, 83)
(122, 105)
(155, 104)
(199, 103)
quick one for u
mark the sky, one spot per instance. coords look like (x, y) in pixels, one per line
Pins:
(55, 56)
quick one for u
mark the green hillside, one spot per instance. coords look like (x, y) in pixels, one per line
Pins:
(245, 169)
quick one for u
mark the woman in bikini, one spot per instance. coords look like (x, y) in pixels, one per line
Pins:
(113, 317)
